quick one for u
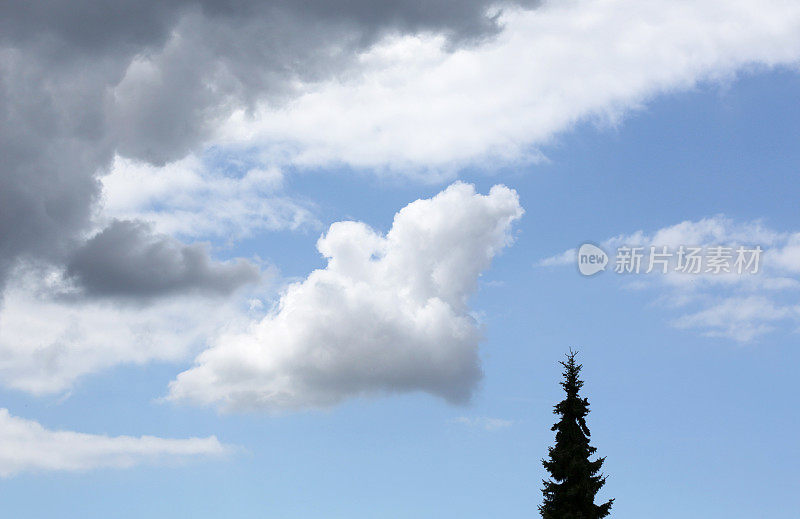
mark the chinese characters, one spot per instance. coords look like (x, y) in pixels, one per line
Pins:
(688, 260)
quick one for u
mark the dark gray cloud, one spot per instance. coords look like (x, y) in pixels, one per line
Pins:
(81, 80)
(51, 144)
(127, 259)
(98, 26)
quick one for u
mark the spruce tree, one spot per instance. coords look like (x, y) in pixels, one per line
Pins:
(574, 478)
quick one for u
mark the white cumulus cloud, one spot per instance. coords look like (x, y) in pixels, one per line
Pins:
(27, 446)
(387, 314)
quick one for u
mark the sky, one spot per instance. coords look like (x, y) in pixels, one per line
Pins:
(319, 259)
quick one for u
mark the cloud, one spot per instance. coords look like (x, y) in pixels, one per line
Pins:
(739, 318)
(788, 256)
(430, 87)
(127, 260)
(26, 446)
(81, 82)
(484, 422)
(97, 102)
(387, 314)
(191, 199)
(50, 337)
(220, 58)
(741, 307)
(418, 107)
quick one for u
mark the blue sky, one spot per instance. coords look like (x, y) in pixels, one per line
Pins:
(696, 419)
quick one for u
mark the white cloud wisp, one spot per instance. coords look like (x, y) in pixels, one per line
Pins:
(741, 307)
(27, 446)
(191, 199)
(50, 339)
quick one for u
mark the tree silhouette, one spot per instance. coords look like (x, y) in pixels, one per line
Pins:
(574, 478)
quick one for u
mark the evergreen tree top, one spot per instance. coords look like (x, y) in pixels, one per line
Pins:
(574, 478)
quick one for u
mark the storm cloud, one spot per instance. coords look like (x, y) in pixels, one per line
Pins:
(83, 81)
(127, 259)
